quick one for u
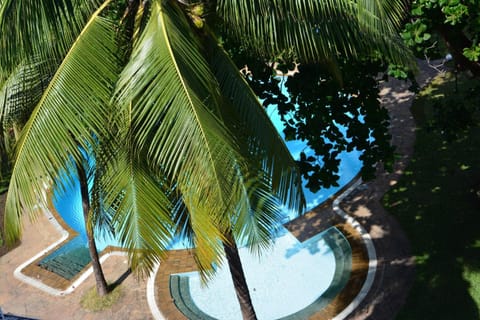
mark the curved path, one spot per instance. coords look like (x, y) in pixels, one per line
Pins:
(395, 265)
(392, 281)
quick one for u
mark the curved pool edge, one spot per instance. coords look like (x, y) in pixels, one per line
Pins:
(367, 241)
(334, 202)
(313, 299)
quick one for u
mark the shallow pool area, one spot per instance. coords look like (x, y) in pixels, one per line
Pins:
(73, 256)
(293, 279)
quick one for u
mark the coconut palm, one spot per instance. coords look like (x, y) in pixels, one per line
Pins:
(19, 92)
(148, 86)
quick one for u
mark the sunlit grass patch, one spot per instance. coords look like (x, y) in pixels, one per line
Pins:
(91, 301)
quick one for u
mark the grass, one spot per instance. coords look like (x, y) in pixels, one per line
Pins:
(437, 203)
(91, 301)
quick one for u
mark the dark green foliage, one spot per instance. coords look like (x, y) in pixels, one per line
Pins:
(437, 203)
(440, 26)
(451, 112)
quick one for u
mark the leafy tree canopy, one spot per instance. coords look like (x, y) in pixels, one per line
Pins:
(317, 97)
(437, 26)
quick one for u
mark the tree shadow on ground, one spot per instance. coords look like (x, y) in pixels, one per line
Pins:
(437, 205)
(120, 279)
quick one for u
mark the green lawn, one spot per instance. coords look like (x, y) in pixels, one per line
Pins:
(437, 204)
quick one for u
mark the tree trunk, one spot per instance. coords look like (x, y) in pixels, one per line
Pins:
(238, 277)
(4, 161)
(102, 287)
(456, 41)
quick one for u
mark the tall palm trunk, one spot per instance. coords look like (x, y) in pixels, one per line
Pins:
(102, 287)
(4, 161)
(238, 277)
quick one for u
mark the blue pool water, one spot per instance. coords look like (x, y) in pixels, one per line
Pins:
(349, 167)
(68, 204)
(71, 258)
(292, 279)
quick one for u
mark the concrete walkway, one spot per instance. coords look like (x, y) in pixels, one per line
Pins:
(393, 279)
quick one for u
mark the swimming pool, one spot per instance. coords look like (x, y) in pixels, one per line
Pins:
(349, 166)
(73, 256)
(292, 280)
(307, 275)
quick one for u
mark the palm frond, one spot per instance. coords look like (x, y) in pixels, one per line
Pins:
(43, 28)
(256, 224)
(142, 209)
(176, 123)
(70, 112)
(21, 90)
(261, 141)
(317, 30)
(375, 13)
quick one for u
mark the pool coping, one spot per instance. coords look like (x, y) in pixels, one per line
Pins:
(367, 241)
(334, 203)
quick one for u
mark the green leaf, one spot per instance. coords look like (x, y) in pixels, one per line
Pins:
(44, 28)
(176, 123)
(265, 145)
(317, 30)
(70, 113)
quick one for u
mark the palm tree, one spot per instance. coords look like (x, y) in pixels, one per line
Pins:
(19, 92)
(153, 76)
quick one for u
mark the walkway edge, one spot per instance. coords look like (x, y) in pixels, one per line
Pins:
(152, 303)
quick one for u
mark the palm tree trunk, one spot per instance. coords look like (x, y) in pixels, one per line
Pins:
(102, 287)
(238, 277)
(4, 161)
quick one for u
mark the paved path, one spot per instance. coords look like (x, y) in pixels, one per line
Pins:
(395, 269)
(395, 266)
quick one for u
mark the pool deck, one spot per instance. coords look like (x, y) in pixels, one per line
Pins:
(395, 266)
